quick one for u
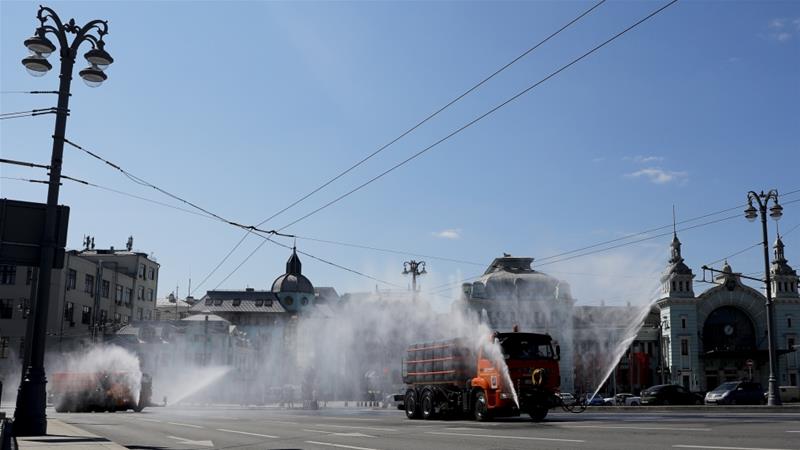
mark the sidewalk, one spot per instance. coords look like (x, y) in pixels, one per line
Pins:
(63, 435)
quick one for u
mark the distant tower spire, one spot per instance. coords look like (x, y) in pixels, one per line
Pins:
(674, 227)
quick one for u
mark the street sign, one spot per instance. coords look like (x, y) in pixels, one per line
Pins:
(21, 231)
(749, 363)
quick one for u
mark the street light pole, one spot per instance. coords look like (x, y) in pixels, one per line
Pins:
(415, 268)
(29, 416)
(776, 211)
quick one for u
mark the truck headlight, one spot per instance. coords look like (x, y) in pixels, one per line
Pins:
(505, 396)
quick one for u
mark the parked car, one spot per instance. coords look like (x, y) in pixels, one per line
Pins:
(567, 398)
(736, 393)
(394, 401)
(598, 400)
(790, 394)
(626, 399)
(670, 394)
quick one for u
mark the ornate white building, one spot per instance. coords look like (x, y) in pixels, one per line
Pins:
(710, 338)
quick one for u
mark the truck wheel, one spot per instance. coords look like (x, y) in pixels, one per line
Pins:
(412, 412)
(538, 414)
(480, 410)
(428, 405)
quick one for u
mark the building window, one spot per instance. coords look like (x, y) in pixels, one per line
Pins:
(4, 341)
(86, 315)
(147, 314)
(683, 322)
(6, 308)
(139, 314)
(158, 315)
(8, 274)
(117, 317)
(141, 270)
(25, 307)
(127, 297)
(72, 278)
(684, 347)
(29, 276)
(150, 294)
(118, 294)
(69, 310)
(126, 319)
(106, 287)
(289, 300)
(152, 273)
(88, 285)
(788, 321)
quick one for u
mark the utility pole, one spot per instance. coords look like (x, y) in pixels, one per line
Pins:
(415, 269)
(29, 415)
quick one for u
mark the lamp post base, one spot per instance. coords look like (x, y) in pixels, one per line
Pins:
(773, 395)
(29, 417)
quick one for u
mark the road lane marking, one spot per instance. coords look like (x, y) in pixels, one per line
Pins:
(150, 420)
(339, 418)
(248, 433)
(184, 425)
(354, 427)
(185, 441)
(495, 436)
(793, 431)
(281, 422)
(621, 427)
(340, 445)
(727, 448)
(318, 431)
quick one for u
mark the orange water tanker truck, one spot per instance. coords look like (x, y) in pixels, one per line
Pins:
(457, 377)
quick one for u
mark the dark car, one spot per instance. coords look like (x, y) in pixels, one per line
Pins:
(736, 393)
(669, 394)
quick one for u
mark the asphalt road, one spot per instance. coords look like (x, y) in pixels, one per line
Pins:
(364, 429)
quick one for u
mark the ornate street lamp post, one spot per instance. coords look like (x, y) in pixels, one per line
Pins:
(751, 213)
(415, 268)
(29, 416)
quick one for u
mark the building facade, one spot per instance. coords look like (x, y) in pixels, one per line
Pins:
(96, 292)
(721, 334)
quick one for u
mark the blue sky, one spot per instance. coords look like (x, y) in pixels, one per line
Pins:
(242, 107)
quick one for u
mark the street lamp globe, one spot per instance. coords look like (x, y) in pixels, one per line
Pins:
(36, 65)
(99, 58)
(776, 211)
(93, 76)
(750, 213)
(40, 45)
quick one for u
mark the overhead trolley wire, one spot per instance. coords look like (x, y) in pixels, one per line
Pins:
(473, 121)
(480, 117)
(403, 134)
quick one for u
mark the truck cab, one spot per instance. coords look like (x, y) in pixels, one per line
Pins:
(532, 381)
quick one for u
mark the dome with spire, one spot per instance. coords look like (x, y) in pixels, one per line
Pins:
(293, 280)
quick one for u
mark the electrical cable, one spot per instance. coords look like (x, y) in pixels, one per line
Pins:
(29, 92)
(437, 112)
(479, 118)
(145, 183)
(445, 287)
(402, 135)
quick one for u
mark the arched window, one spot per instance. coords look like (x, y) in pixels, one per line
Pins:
(289, 301)
(728, 329)
(304, 302)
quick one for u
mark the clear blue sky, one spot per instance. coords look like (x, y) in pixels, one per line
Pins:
(242, 107)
